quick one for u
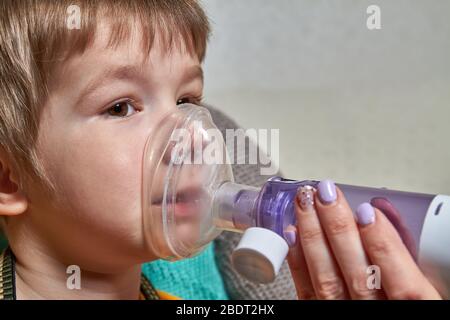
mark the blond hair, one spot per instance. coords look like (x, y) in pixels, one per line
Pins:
(35, 33)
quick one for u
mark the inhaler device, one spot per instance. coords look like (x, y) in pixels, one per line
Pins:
(189, 197)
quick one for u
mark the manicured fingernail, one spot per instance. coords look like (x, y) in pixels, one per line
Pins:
(365, 214)
(291, 237)
(305, 197)
(327, 191)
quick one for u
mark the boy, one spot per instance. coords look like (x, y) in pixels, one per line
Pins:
(80, 88)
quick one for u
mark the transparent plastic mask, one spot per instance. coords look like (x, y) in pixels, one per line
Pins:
(184, 163)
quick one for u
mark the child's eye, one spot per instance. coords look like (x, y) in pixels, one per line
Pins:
(122, 109)
(193, 100)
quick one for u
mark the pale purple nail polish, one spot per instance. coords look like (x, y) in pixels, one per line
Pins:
(365, 214)
(327, 191)
(291, 237)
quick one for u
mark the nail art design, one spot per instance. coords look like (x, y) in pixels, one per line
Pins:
(306, 197)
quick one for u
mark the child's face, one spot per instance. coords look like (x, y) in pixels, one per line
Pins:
(102, 106)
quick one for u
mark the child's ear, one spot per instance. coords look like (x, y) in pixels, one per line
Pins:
(12, 199)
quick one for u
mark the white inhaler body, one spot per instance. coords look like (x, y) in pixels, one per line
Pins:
(189, 197)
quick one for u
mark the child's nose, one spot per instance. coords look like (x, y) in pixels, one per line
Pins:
(197, 140)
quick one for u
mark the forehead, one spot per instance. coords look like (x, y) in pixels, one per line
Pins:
(130, 54)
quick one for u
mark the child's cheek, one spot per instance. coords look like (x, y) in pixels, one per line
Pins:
(100, 178)
(111, 173)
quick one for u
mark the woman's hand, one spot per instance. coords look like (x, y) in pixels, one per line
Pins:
(332, 255)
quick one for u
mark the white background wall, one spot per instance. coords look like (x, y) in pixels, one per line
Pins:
(354, 105)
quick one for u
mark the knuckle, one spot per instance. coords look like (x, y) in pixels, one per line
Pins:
(329, 288)
(378, 249)
(339, 225)
(311, 235)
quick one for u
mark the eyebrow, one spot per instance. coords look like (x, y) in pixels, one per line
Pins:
(132, 72)
(119, 73)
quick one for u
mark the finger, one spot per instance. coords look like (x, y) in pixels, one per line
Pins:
(299, 270)
(401, 278)
(323, 269)
(338, 222)
(395, 218)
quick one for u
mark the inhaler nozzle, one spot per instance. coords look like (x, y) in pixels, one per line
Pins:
(266, 214)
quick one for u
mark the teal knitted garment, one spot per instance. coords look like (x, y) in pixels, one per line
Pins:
(194, 278)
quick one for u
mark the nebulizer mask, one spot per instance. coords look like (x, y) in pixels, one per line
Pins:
(189, 197)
